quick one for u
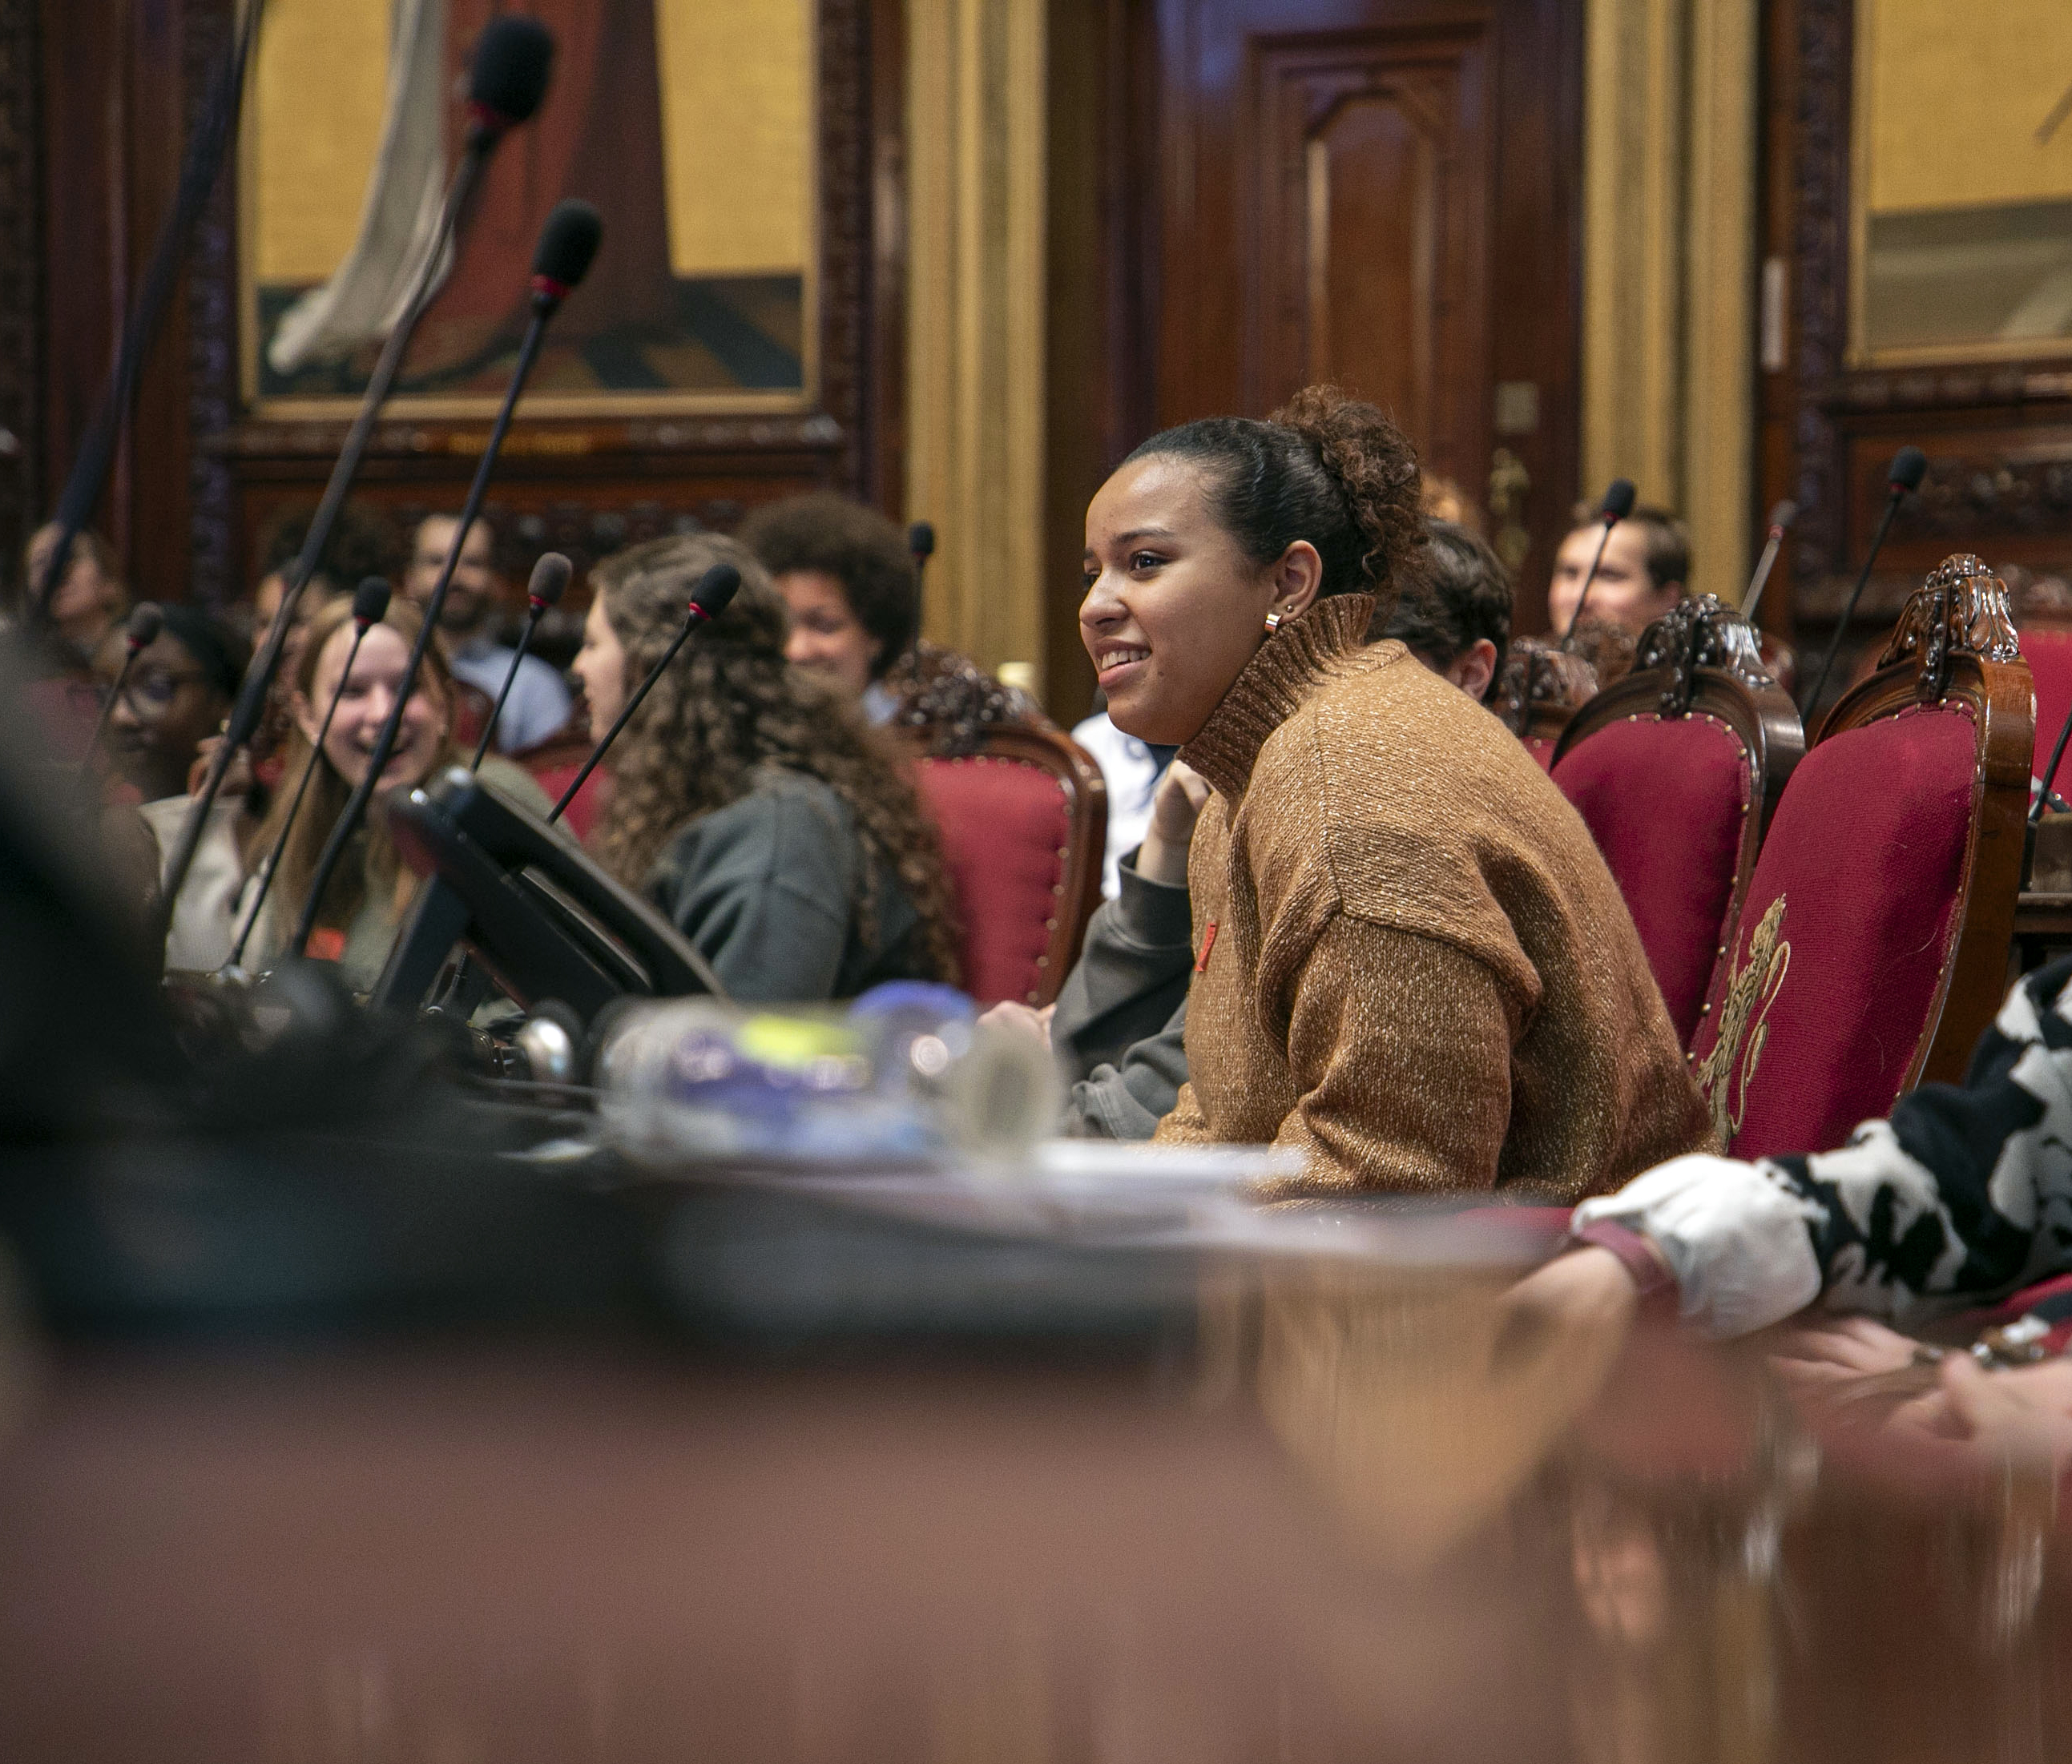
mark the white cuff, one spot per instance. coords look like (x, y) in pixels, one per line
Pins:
(1734, 1234)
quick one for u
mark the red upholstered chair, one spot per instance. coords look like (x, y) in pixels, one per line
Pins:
(1540, 687)
(1676, 770)
(2048, 651)
(1872, 945)
(1024, 822)
(554, 763)
(471, 709)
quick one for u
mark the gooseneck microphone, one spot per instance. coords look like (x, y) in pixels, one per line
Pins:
(145, 624)
(370, 606)
(550, 580)
(1781, 518)
(1617, 505)
(716, 588)
(507, 81)
(568, 244)
(1909, 467)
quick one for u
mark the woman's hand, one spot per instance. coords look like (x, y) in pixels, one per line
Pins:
(1585, 1291)
(1174, 810)
(237, 781)
(1008, 1014)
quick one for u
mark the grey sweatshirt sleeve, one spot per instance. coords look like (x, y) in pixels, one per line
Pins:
(1128, 1099)
(1131, 977)
(762, 888)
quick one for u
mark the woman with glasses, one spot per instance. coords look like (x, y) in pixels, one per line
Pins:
(179, 690)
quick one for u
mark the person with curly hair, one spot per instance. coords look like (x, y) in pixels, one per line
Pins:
(845, 573)
(1411, 963)
(749, 800)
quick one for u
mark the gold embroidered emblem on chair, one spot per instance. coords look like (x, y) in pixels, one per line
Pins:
(1725, 1073)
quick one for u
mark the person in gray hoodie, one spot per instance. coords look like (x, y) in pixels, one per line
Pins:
(749, 803)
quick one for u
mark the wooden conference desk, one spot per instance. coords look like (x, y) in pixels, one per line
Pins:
(1194, 1506)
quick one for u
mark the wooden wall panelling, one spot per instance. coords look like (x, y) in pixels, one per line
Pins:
(1100, 256)
(22, 293)
(884, 480)
(1467, 112)
(1998, 436)
(79, 261)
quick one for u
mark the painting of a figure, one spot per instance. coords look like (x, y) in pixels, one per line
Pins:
(688, 123)
(1962, 183)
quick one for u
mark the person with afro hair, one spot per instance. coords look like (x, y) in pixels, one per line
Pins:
(854, 598)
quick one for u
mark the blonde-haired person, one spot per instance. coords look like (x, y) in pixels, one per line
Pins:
(364, 908)
(750, 801)
(1411, 962)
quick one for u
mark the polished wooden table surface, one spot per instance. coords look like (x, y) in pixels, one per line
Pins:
(1329, 1510)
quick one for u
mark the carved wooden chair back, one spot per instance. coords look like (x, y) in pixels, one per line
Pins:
(1677, 771)
(1024, 822)
(1540, 687)
(1873, 939)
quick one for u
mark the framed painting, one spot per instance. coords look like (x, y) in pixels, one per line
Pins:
(1961, 184)
(690, 124)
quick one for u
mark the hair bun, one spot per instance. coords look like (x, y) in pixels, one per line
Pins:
(1372, 461)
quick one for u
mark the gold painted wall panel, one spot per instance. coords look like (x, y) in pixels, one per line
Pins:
(737, 85)
(1669, 267)
(1953, 96)
(319, 84)
(737, 113)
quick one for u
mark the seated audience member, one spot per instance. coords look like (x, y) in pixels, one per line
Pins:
(539, 704)
(1132, 770)
(179, 690)
(364, 908)
(1454, 612)
(1646, 564)
(1441, 499)
(1120, 1023)
(86, 606)
(363, 543)
(1961, 1198)
(1411, 962)
(846, 574)
(750, 801)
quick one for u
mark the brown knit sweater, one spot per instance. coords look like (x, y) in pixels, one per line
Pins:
(1410, 960)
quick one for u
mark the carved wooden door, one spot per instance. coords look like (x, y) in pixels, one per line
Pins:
(1382, 193)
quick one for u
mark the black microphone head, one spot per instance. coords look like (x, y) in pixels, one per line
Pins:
(921, 541)
(1910, 465)
(568, 242)
(715, 591)
(145, 624)
(1782, 516)
(550, 579)
(514, 57)
(370, 600)
(1618, 500)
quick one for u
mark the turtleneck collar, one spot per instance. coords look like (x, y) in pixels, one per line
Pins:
(1282, 674)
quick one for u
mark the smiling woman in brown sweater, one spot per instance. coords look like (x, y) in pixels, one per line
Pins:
(1410, 960)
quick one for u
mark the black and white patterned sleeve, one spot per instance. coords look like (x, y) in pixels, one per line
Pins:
(1964, 1195)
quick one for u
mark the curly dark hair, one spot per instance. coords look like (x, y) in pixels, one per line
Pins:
(363, 543)
(1457, 594)
(730, 705)
(859, 548)
(1324, 467)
